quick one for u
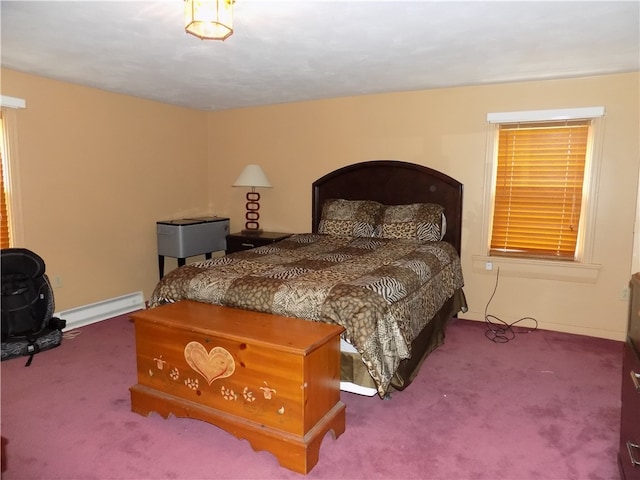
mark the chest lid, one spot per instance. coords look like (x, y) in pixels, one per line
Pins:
(273, 331)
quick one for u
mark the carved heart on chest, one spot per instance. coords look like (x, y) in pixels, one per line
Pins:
(218, 363)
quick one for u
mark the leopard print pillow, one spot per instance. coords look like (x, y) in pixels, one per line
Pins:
(350, 218)
(418, 221)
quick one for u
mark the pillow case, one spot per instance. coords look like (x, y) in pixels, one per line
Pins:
(417, 221)
(350, 218)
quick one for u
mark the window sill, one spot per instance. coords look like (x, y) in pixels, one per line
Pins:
(546, 269)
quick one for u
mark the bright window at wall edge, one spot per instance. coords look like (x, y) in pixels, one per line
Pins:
(5, 237)
(540, 193)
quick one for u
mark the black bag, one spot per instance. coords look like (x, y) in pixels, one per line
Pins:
(28, 324)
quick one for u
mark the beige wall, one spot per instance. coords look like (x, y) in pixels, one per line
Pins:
(98, 169)
(446, 129)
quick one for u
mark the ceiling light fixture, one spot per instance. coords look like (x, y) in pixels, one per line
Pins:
(209, 19)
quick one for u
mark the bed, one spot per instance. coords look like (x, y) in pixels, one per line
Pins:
(382, 260)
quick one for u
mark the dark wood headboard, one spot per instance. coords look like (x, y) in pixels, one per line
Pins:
(393, 182)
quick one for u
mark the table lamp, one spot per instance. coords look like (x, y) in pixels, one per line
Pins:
(252, 176)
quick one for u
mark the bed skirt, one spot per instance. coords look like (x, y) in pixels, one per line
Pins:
(355, 374)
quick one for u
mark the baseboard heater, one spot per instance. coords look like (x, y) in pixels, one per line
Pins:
(96, 312)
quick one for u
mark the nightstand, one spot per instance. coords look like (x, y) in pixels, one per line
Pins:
(236, 242)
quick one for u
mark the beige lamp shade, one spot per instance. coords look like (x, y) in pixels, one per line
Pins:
(252, 176)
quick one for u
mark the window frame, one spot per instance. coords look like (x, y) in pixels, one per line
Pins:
(581, 268)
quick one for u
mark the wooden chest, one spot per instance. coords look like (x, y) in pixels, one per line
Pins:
(271, 380)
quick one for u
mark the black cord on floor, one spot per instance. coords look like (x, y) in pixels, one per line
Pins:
(498, 330)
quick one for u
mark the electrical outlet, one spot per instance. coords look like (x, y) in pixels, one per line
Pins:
(624, 294)
(488, 266)
(57, 281)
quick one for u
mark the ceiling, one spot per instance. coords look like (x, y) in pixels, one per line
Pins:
(298, 50)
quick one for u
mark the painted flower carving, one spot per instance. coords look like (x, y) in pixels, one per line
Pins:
(267, 391)
(192, 383)
(228, 394)
(159, 362)
(248, 395)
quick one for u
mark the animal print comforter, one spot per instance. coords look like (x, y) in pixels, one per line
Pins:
(382, 291)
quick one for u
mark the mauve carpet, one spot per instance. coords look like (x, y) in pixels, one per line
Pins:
(544, 406)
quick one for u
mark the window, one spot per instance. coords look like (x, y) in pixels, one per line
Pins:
(541, 171)
(538, 189)
(11, 232)
(4, 214)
